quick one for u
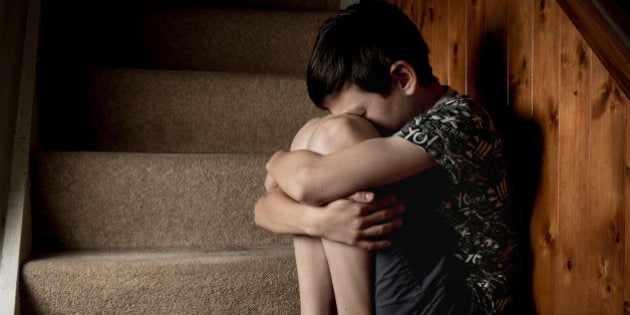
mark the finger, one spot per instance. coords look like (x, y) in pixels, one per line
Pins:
(381, 229)
(373, 245)
(362, 196)
(379, 204)
(382, 215)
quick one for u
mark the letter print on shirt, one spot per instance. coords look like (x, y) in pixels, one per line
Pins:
(460, 136)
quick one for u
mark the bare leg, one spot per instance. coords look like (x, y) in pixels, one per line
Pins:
(315, 284)
(350, 267)
(316, 290)
(351, 273)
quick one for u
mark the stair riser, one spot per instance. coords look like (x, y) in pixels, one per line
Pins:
(190, 38)
(106, 200)
(170, 111)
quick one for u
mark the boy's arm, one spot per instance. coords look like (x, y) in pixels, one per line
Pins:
(353, 221)
(317, 179)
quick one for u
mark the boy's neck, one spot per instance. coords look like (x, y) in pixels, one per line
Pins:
(428, 95)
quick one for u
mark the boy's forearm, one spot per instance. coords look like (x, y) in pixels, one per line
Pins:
(318, 179)
(278, 213)
(290, 170)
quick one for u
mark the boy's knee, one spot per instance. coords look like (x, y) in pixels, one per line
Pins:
(336, 132)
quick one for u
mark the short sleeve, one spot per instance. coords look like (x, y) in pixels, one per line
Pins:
(457, 134)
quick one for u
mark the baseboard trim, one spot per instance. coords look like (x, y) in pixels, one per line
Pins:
(14, 248)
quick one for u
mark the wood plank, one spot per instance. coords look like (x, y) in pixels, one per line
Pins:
(520, 57)
(440, 52)
(544, 224)
(606, 27)
(608, 130)
(475, 38)
(574, 175)
(424, 20)
(457, 44)
(626, 269)
(495, 51)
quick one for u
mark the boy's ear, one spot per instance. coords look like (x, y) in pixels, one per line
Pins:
(404, 76)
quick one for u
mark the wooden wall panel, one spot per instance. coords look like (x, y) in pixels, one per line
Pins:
(520, 56)
(626, 265)
(475, 33)
(573, 178)
(492, 57)
(526, 61)
(457, 44)
(606, 215)
(544, 229)
(440, 52)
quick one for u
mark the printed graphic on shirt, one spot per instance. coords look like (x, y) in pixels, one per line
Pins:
(461, 138)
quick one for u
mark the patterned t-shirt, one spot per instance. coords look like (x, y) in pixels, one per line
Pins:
(460, 136)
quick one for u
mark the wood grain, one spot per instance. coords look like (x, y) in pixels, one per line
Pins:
(440, 52)
(574, 172)
(457, 16)
(608, 132)
(549, 74)
(520, 56)
(494, 49)
(544, 227)
(606, 26)
(424, 20)
(475, 36)
(626, 282)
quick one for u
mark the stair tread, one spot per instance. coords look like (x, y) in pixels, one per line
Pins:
(117, 109)
(98, 200)
(237, 281)
(162, 256)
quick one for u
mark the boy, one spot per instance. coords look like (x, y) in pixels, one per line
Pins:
(452, 256)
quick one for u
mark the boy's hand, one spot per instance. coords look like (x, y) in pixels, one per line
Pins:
(358, 219)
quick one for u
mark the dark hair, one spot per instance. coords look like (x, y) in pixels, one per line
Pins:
(359, 45)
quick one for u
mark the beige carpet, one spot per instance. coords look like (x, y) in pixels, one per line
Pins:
(155, 123)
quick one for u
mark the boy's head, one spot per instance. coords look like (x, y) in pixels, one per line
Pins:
(359, 45)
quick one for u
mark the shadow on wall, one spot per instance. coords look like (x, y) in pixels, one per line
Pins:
(523, 144)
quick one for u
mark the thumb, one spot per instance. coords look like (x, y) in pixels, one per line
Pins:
(362, 196)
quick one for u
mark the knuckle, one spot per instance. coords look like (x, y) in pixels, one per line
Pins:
(381, 230)
(354, 235)
(386, 214)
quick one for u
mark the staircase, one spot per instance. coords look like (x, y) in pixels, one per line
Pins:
(155, 123)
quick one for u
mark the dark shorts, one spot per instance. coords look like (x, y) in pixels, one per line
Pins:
(409, 285)
(418, 273)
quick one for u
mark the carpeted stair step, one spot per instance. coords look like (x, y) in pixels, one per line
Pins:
(239, 281)
(170, 111)
(104, 200)
(197, 37)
